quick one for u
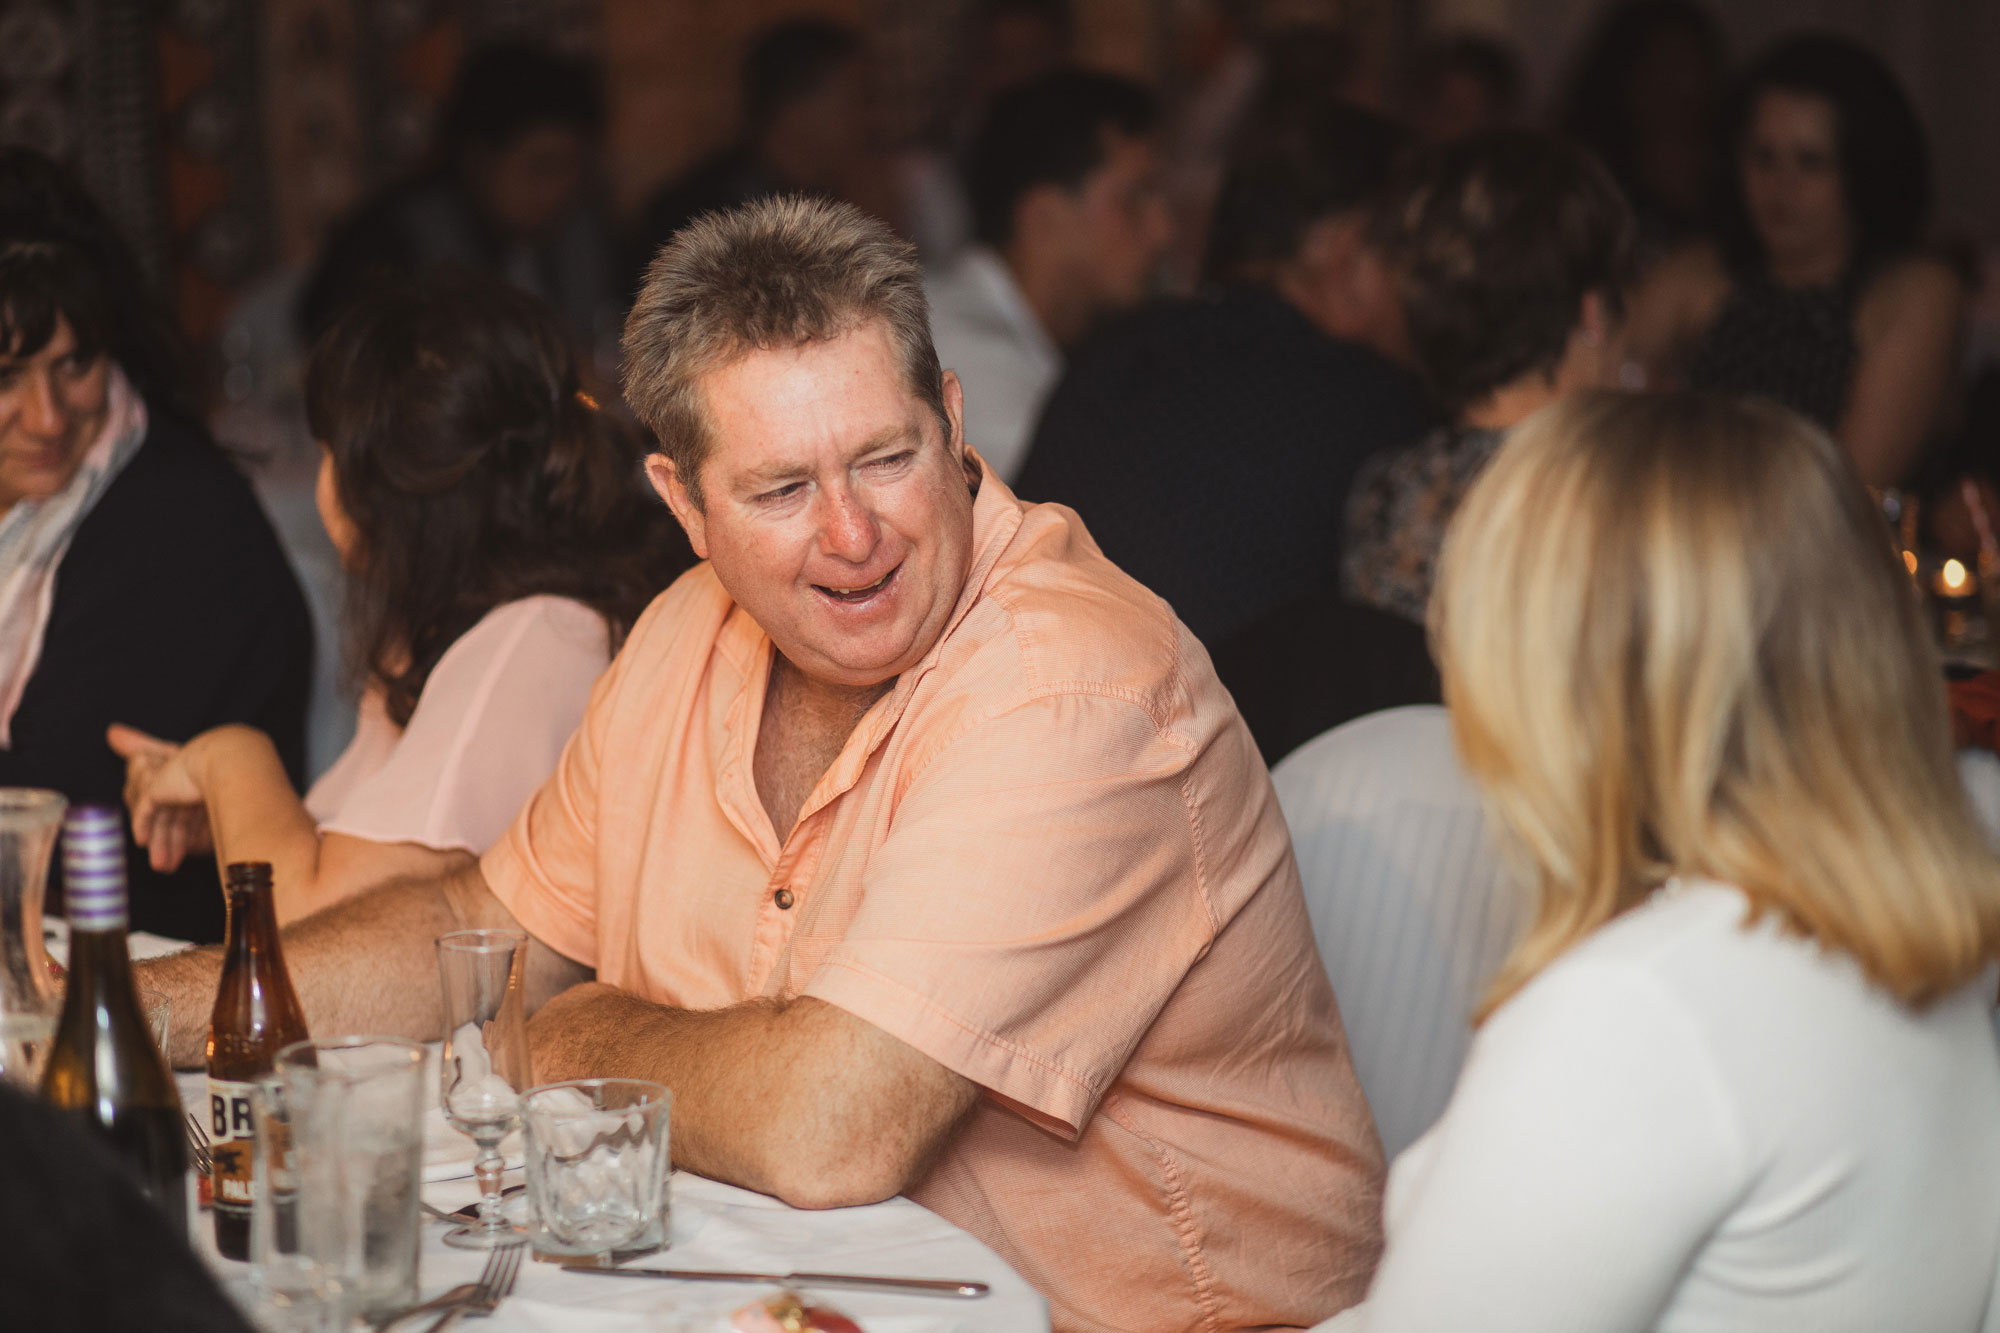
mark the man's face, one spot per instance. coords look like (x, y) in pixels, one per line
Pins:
(834, 510)
(52, 406)
(1116, 229)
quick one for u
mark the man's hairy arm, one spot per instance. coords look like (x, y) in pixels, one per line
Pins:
(798, 1099)
(365, 965)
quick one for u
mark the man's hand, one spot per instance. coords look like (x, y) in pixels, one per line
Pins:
(801, 1099)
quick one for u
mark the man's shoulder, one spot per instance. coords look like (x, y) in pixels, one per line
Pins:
(691, 608)
(1054, 616)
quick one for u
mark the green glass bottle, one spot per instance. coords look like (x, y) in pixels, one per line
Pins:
(104, 1064)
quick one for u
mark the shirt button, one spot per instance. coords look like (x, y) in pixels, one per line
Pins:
(783, 898)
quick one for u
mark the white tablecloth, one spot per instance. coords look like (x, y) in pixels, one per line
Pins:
(718, 1226)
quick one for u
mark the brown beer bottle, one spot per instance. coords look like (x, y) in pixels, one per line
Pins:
(256, 1015)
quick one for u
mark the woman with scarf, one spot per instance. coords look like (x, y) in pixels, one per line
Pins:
(139, 579)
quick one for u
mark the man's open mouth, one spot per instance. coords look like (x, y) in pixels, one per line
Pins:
(858, 594)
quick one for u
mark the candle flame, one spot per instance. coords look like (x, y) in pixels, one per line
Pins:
(1954, 576)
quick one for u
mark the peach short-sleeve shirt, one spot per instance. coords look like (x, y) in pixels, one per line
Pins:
(1050, 859)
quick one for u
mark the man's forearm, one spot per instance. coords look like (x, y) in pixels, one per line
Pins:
(365, 965)
(799, 1100)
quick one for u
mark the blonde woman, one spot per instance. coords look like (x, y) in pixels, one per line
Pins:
(1740, 1072)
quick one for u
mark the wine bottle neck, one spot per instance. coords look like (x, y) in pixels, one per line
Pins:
(100, 963)
(252, 919)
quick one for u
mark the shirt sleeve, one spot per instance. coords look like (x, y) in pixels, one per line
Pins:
(1589, 1149)
(1036, 904)
(487, 729)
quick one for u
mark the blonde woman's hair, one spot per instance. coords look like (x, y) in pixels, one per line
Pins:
(1675, 640)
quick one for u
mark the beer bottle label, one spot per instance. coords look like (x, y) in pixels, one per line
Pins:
(231, 1145)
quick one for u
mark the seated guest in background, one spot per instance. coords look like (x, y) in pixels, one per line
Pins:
(1209, 443)
(1319, 661)
(1740, 1071)
(1817, 294)
(1509, 251)
(912, 844)
(1071, 226)
(495, 540)
(804, 129)
(139, 579)
(511, 193)
(1000, 43)
(1645, 95)
(1461, 85)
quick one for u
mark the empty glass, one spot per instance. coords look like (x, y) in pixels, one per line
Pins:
(485, 1062)
(339, 1162)
(597, 1164)
(29, 819)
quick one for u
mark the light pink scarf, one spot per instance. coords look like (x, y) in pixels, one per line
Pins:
(35, 535)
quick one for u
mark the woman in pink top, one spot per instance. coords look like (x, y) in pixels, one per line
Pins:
(497, 544)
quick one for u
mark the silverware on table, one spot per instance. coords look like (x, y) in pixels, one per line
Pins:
(435, 1304)
(909, 1286)
(465, 1214)
(503, 1265)
(198, 1145)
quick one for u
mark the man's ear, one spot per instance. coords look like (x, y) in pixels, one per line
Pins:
(666, 479)
(954, 409)
(957, 445)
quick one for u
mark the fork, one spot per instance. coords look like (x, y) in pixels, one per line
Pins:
(495, 1285)
(198, 1145)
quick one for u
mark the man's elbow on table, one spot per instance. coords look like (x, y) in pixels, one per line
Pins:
(863, 1122)
(850, 1168)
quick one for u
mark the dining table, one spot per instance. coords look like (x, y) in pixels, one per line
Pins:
(713, 1227)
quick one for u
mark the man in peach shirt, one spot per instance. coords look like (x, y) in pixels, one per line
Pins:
(916, 848)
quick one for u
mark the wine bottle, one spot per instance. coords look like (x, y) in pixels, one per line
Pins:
(256, 1015)
(104, 1064)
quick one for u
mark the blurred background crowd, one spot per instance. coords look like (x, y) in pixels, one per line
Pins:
(1058, 162)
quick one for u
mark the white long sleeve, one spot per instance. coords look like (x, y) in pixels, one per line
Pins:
(1685, 1124)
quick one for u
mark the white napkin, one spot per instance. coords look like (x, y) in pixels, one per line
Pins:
(680, 1309)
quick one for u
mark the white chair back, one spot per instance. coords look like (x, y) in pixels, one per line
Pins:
(1410, 905)
(1979, 770)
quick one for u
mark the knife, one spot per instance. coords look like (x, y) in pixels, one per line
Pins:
(915, 1286)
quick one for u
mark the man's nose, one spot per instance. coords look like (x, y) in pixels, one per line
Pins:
(43, 413)
(847, 528)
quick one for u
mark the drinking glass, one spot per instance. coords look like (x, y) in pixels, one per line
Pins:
(485, 1063)
(597, 1163)
(29, 819)
(338, 1165)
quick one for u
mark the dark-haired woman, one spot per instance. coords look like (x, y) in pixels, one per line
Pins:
(1509, 252)
(1817, 295)
(139, 579)
(497, 544)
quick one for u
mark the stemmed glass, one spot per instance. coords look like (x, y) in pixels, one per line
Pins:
(485, 1064)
